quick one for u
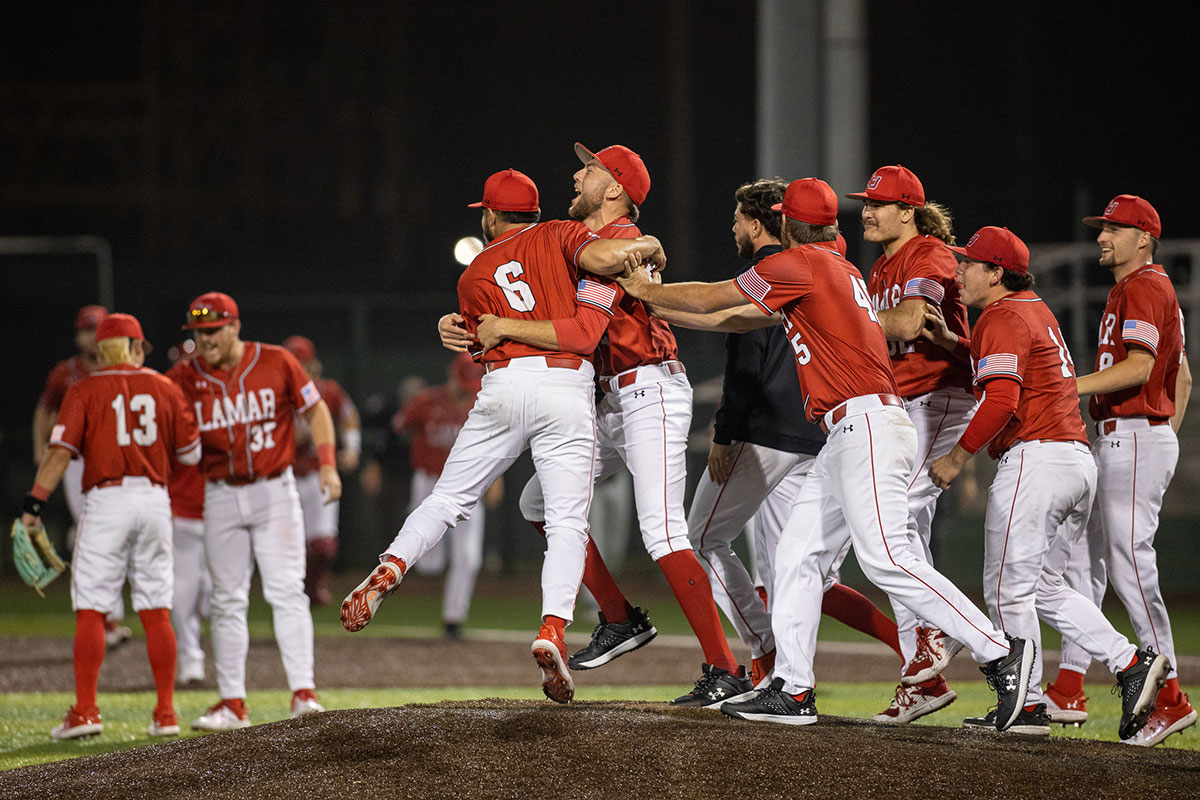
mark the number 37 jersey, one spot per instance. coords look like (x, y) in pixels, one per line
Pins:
(246, 414)
(125, 421)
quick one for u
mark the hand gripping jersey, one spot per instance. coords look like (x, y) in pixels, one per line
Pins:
(1142, 309)
(1018, 337)
(246, 415)
(125, 421)
(341, 407)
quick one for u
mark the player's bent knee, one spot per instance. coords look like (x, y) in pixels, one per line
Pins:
(533, 502)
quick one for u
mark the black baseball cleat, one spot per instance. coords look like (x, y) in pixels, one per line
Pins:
(1009, 678)
(612, 639)
(772, 704)
(715, 687)
(1138, 685)
(1034, 721)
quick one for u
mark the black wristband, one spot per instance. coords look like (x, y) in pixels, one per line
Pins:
(32, 505)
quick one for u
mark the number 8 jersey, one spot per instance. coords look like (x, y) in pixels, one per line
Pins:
(246, 415)
(125, 421)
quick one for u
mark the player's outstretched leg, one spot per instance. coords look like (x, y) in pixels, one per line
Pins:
(1139, 684)
(613, 639)
(550, 652)
(360, 605)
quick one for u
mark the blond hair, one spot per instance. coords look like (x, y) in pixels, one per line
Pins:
(115, 350)
(933, 219)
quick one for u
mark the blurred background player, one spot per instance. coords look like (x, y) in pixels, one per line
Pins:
(320, 515)
(1139, 393)
(246, 395)
(128, 423)
(193, 586)
(433, 418)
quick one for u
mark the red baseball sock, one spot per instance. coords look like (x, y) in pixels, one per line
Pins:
(89, 655)
(855, 609)
(1170, 694)
(558, 623)
(160, 647)
(1068, 682)
(599, 581)
(694, 593)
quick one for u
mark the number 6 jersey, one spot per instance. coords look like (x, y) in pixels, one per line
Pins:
(246, 414)
(125, 421)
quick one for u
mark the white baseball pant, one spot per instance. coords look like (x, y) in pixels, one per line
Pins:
(320, 518)
(1087, 573)
(459, 554)
(258, 523)
(193, 587)
(525, 404)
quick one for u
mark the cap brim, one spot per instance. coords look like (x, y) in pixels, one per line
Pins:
(1098, 222)
(476, 205)
(583, 153)
(777, 207)
(962, 251)
(199, 325)
(859, 196)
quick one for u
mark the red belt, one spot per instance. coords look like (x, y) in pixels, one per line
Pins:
(551, 361)
(1109, 425)
(242, 480)
(121, 481)
(839, 413)
(629, 377)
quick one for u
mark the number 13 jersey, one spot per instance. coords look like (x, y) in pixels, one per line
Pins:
(125, 421)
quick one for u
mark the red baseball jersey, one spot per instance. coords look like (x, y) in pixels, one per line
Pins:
(65, 374)
(125, 421)
(186, 488)
(246, 415)
(434, 419)
(839, 345)
(923, 268)
(634, 337)
(532, 273)
(341, 407)
(1018, 337)
(1142, 309)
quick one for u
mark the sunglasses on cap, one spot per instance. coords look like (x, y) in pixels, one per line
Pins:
(206, 315)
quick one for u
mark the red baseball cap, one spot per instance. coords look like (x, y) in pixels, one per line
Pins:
(301, 347)
(211, 310)
(809, 200)
(998, 246)
(119, 325)
(626, 167)
(90, 317)
(1129, 209)
(508, 191)
(896, 184)
(467, 372)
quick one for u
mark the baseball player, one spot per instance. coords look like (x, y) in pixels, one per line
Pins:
(128, 424)
(245, 395)
(320, 517)
(434, 418)
(1139, 393)
(915, 268)
(193, 586)
(642, 423)
(1045, 483)
(856, 491)
(65, 374)
(535, 397)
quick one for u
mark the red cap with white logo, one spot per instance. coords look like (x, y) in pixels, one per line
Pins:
(896, 184)
(998, 246)
(1129, 209)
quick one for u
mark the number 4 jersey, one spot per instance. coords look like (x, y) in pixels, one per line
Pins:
(1018, 337)
(246, 414)
(125, 421)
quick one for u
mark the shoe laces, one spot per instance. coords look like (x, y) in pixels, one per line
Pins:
(903, 698)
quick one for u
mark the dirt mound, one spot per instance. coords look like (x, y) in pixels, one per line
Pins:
(520, 749)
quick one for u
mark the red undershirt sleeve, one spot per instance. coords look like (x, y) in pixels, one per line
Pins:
(581, 333)
(999, 403)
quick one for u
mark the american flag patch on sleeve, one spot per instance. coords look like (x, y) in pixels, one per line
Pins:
(596, 294)
(310, 394)
(997, 365)
(1144, 333)
(925, 287)
(753, 285)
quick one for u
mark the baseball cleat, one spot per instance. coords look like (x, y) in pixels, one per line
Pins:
(934, 651)
(1064, 709)
(772, 704)
(1138, 685)
(304, 702)
(715, 686)
(189, 671)
(1009, 678)
(913, 702)
(1163, 721)
(227, 715)
(115, 634)
(77, 724)
(613, 639)
(550, 653)
(361, 604)
(1031, 721)
(165, 723)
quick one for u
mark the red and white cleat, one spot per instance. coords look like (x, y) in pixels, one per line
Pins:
(934, 651)
(76, 724)
(550, 653)
(360, 605)
(913, 702)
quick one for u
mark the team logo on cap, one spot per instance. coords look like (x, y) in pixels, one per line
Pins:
(1111, 208)
(874, 182)
(974, 239)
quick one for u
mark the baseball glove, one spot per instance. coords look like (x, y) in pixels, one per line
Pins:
(35, 558)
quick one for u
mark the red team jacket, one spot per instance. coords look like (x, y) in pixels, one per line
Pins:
(1142, 309)
(923, 268)
(125, 421)
(836, 337)
(434, 420)
(1018, 337)
(65, 374)
(341, 407)
(246, 415)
